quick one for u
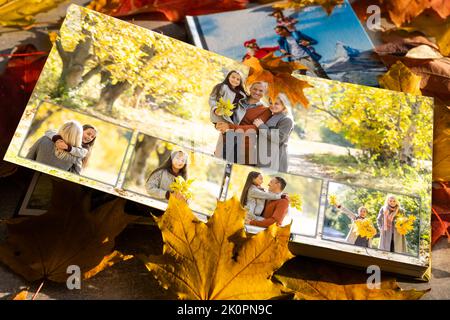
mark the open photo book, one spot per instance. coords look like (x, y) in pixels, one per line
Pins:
(139, 115)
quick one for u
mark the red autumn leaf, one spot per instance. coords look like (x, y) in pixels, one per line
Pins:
(16, 84)
(440, 220)
(174, 10)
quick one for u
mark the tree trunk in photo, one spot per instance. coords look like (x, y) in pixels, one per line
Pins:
(37, 123)
(73, 64)
(139, 166)
(138, 94)
(110, 93)
(407, 149)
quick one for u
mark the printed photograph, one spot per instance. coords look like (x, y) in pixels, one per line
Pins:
(271, 197)
(344, 54)
(76, 143)
(376, 219)
(160, 170)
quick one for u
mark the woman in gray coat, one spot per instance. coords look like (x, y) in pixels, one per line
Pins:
(45, 151)
(276, 141)
(159, 181)
(390, 239)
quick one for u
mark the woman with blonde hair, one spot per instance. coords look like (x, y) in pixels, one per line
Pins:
(279, 126)
(45, 151)
(390, 239)
(67, 151)
(352, 237)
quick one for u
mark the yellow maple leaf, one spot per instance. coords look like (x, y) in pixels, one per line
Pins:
(316, 280)
(400, 78)
(295, 201)
(333, 200)
(225, 107)
(182, 186)
(404, 224)
(364, 228)
(216, 260)
(327, 5)
(277, 73)
(22, 12)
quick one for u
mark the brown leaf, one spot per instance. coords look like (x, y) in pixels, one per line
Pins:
(400, 78)
(319, 280)
(42, 247)
(277, 74)
(404, 11)
(441, 141)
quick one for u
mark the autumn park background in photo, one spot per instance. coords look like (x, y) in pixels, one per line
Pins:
(147, 94)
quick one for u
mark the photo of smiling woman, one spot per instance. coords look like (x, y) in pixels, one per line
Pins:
(67, 151)
(390, 238)
(275, 133)
(160, 179)
(46, 152)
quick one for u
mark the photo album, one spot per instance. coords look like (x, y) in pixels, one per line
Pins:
(139, 115)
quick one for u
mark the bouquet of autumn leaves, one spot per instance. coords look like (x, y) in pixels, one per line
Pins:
(404, 224)
(224, 108)
(182, 186)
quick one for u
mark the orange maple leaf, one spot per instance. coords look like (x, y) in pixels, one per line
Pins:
(403, 11)
(278, 74)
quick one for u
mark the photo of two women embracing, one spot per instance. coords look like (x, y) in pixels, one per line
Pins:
(253, 134)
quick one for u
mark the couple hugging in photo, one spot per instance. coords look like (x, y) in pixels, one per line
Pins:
(253, 134)
(68, 148)
(265, 207)
(390, 239)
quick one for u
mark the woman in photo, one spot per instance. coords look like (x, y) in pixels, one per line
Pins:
(159, 181)
(68, 152)
(254, 196)
(242, 131)
(390, 239)
(45, 151)
(281, 120)
(231, 89)
(352, 237)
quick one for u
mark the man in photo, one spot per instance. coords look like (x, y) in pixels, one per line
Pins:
(297, 46)
(274, 210)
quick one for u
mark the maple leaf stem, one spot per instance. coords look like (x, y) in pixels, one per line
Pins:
(38, 290)
(442, 222)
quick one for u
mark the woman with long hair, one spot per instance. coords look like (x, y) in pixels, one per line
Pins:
(230, 89)
(44, 150)
(160, 179)
(390, 239)
(69, 152)
(253, 196)
(279, 126)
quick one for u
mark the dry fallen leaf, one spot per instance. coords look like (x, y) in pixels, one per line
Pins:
(217, 260)
(277, 74)
(317, 280)
(327, 5)
(400, 78)
(22, 295)
(174, 10)
(403, 11)
(22, 12)
(42, 247)
(423, 52)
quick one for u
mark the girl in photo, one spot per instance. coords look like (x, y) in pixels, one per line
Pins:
(67, 151)
(352, 237)
(45, 151)
(159, 181)
(281, 120)
(231, 89)
(254, 196)
(390, 239)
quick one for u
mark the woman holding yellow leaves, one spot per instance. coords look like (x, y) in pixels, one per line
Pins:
(390, 239)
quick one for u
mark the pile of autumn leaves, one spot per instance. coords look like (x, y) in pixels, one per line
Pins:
(213, 260)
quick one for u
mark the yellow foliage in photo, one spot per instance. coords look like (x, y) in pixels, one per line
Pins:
(364, 228)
